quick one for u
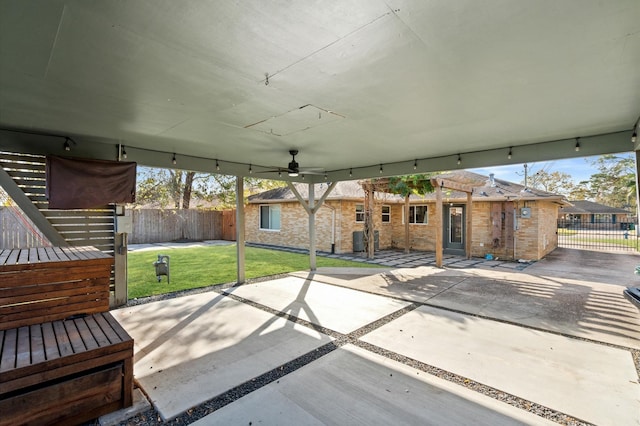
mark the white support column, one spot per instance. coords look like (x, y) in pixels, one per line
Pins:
(312, 228)
(637, 190)
(240, 228)
(311, 208)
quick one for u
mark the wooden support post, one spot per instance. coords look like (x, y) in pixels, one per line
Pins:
(371, 229)
(240, 229)
(469, 228)
(438, 226)
(120, 296)
(407, 242)
(312, 228)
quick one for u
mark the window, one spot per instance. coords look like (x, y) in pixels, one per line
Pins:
(418, 214)
(270, 217)
(359, 212)
(386, 214)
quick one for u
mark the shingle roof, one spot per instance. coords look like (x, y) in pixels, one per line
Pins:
(344, 190)
(485, 189)
(590, 207)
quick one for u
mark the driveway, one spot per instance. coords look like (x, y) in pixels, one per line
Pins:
(555, 342)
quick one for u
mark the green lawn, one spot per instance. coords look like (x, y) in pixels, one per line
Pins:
(203, 266)
(565, 231)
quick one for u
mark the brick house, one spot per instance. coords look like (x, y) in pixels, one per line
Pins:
(589, 213)
(508, 220)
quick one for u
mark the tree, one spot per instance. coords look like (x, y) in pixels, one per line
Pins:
(178, 188)
(615, 183)
(169, 187)
(555, 182)
(406, 185)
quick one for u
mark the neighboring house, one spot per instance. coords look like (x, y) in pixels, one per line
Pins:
(588, 213)
(508, 220)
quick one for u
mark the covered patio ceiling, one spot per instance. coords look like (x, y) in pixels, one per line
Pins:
(361, 88)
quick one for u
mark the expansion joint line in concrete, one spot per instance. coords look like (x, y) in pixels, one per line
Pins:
(489, 391)
(354, 338)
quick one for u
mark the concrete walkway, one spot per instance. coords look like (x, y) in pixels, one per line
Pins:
(417, 345)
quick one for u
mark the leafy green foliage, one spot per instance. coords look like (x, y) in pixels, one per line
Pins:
(419, 184)
(615, 183)
(169, 188)
(555, 182)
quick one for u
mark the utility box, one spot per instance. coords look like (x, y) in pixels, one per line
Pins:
(525, 212)
(358, 241)
(124, 225)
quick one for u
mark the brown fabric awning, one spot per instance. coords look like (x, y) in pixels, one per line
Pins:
(77, 183)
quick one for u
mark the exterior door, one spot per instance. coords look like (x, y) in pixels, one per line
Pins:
(454, 221)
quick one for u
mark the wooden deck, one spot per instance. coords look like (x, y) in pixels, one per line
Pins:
(63, 357)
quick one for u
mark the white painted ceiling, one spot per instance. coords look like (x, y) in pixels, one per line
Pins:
(381, 82)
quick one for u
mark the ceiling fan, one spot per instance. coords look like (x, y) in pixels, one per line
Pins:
(293, 168)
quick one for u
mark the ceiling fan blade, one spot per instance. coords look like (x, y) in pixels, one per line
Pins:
(311, 172)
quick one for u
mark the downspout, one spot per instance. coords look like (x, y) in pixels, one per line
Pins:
(333, 227)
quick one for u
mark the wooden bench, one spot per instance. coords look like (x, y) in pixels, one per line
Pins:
(64, 359)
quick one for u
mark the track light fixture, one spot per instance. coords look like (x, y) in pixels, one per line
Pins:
(577, 144)
(173, 160)
(459, 159)
(66, 145)
(510, 153)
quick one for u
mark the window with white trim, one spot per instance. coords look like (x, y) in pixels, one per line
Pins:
(386, 214)
(270, 217)
(359, 212)
(417, 214)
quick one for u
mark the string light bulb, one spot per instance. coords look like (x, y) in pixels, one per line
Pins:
(634, 136)
(415, 164)
(66, 145)
(250, 169)
(381, 170)
(459, 159)
(577, 144)
(173, 160)
(325, 176)
(510, 153)
(350, 172)
(217, 166)
(124, 152)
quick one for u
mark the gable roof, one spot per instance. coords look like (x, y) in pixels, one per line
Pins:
(486, 188)
(591, 207)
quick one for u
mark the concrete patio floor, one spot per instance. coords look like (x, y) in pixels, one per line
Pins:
(406, 346)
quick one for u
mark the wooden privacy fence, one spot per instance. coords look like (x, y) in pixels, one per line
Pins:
(17, 231)
(161, 225)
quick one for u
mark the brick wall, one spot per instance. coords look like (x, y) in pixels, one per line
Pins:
(294, 227)
(536, 237)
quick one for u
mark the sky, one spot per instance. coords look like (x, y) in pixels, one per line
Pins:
(579, 169)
